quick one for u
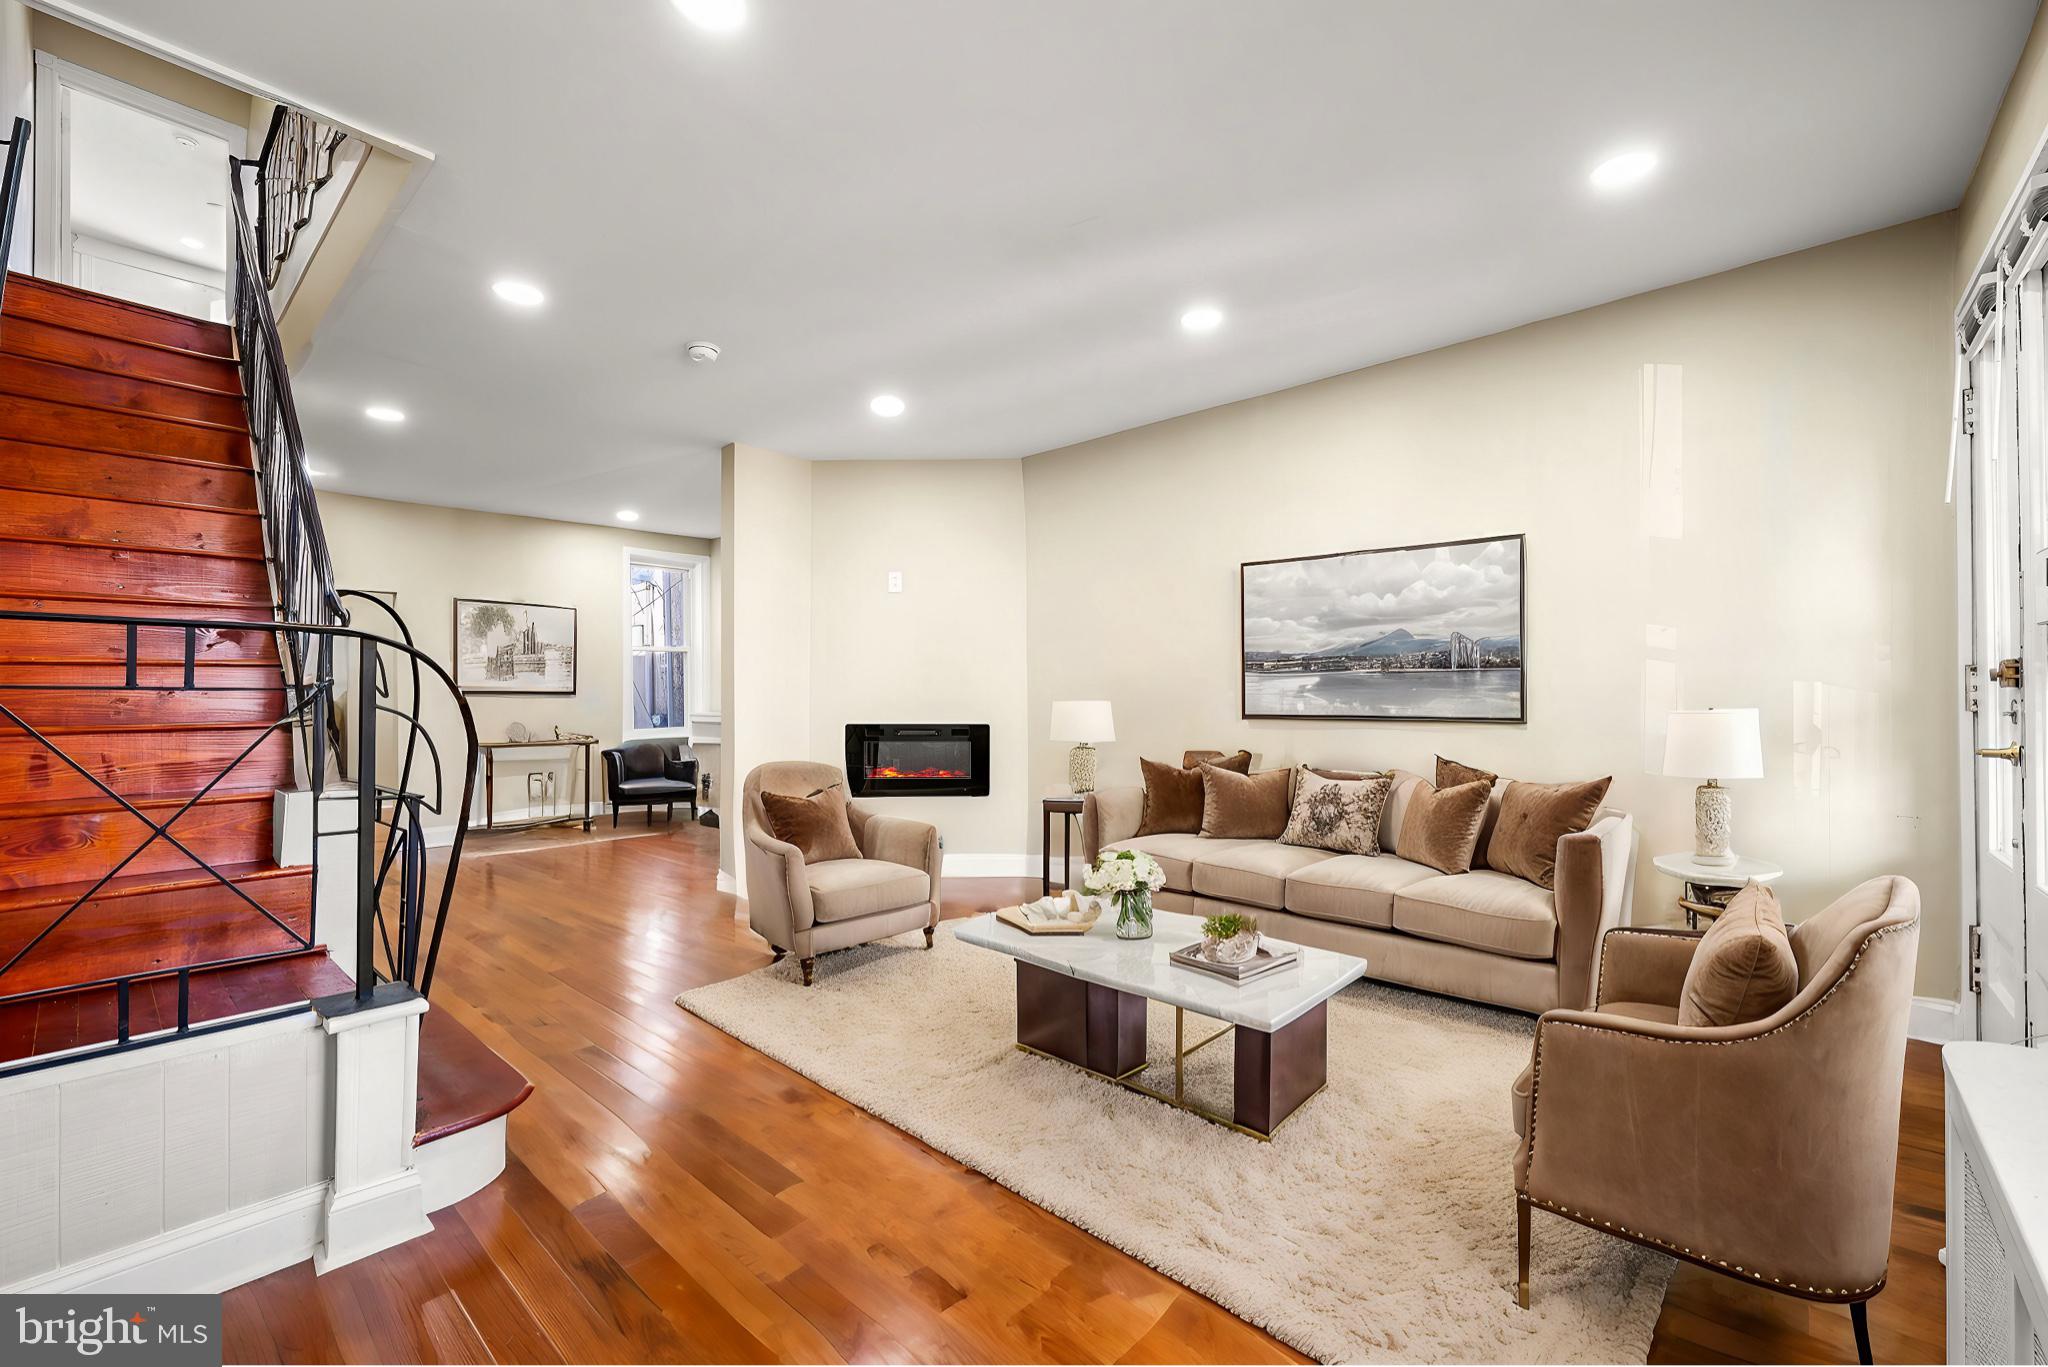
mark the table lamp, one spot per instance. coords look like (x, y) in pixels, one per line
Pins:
(1082, 723)
(1713, 743)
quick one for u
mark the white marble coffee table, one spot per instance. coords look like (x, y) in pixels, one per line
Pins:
(1082, 999)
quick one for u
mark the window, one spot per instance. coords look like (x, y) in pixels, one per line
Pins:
(660, 592)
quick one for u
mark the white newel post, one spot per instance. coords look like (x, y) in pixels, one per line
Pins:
(376, 1199)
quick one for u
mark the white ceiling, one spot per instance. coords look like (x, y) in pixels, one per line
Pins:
(999, 209)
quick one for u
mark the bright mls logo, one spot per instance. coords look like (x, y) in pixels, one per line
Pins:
(172, 1331)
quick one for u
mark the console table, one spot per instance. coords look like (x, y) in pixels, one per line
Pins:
(490, 748)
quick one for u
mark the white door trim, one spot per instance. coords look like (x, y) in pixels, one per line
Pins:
(51, 146)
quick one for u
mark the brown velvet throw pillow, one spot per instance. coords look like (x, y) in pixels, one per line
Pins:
(816, 825)
(1743, 969)
(1239, 763)
(1441, 826)
(1533, 818)
(1244, 806)
(1450, 773)
(1173, 796)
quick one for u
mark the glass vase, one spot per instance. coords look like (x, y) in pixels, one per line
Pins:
(1134, 915)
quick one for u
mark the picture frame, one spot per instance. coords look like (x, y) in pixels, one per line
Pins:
(503, 646)
(1428, 632)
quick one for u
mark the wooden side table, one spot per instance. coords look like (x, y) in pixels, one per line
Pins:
(1697, 882)
(1069, 806)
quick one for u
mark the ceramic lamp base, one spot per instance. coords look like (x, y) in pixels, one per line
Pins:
(1081, 769)
(1713, 817)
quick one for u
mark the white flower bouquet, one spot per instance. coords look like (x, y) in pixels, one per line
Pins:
(1128, 878)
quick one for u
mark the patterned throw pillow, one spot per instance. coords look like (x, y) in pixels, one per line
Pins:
(1336, 814)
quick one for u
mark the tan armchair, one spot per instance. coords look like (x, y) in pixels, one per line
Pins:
(1764, 1151)
(810, 909)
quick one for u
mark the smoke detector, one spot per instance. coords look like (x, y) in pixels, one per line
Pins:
(703, 353)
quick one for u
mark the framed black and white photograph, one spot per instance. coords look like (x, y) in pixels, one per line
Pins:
(504, 647)
(1411, 633)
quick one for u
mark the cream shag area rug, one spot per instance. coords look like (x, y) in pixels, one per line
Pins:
(1377, 1226)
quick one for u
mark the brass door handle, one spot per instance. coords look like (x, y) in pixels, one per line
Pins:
(2010, 753)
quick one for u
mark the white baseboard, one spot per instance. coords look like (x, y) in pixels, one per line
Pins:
(1935, 1019)
(990, 865)
(209, 1257)
(727, 883)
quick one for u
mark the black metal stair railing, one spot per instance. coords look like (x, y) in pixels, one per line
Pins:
(332, 672)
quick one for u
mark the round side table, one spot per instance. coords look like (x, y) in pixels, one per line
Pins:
(1698, 881)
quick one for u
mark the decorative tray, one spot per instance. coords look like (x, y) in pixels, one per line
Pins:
(1013, 916)
(1258, 966)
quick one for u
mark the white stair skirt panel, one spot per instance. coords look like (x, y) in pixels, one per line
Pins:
(461, 1164)
(189, 1166)
(202, 1164)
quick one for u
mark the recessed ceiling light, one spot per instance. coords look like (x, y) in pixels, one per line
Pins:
(380, 412)
(1202, 318)
(886, 406)
(192, 243)
(626, 515)
(183, 140)
(719, 16)
(1626, 169)
(317, 472)
(519, 292)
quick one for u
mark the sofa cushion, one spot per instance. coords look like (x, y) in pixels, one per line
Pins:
(1356, 889)
(1533, 818)
(817, 825)
(1340, 815)
(1173, 796)
(843, 889)
(1254, 872)
(1481, 910)
(1244, 806)
(1743, 969)
(1176, 854)
(1441, 825)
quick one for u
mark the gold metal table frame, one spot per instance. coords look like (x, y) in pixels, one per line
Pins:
(1102, 1031)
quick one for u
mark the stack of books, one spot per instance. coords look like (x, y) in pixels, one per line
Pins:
(1271, 958)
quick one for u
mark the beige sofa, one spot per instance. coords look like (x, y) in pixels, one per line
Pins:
(1485, 936)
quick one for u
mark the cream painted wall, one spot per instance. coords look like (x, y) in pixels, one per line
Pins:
(765, 581)
(1800, 560)
(948, 648)
(87, 49)
(2008, 150)
(429, 556)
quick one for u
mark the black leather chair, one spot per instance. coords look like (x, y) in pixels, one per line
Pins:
(650, 774)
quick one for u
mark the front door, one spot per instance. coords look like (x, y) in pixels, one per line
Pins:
(1997, 676)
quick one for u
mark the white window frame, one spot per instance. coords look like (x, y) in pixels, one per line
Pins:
(695, 654)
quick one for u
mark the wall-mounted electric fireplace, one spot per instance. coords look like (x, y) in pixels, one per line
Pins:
(917, 760)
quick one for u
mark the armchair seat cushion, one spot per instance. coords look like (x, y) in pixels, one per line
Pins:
(655, 788)
(847, 889)
(1496, 912)
(1357, 889)
(1254, 872)
(1177, 854)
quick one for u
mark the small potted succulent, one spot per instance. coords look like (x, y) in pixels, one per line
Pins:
(1229, 938)
(1128, 878)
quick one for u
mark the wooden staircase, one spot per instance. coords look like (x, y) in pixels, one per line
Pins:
(127, 486)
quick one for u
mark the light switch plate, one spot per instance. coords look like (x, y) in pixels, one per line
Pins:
(895, 581)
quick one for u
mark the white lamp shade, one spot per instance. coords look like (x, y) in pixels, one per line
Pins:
(1082, 723)
(1715, 742)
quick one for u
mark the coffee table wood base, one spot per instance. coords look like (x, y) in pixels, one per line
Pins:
(1103, 1030)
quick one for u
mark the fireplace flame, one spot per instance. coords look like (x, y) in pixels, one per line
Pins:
(891, 771)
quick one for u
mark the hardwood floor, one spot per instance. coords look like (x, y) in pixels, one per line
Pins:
(674, 1196)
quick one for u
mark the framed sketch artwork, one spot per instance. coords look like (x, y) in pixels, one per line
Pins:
(503, 647)
(1412, 633)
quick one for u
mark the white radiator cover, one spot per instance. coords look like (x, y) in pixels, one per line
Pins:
(1997, 1187)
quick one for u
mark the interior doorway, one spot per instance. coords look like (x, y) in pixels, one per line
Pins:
(131, 191)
